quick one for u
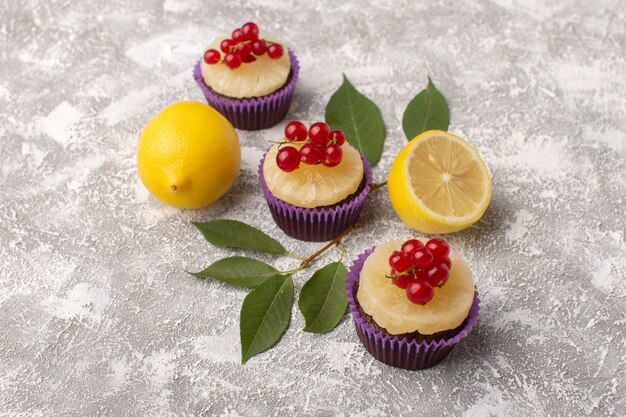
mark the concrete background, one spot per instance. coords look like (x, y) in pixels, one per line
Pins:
(98, 317)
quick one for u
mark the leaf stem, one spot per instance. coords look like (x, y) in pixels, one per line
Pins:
(334, 242)
(290, 272)
(343, 250)
(291, 255)
(377, 186)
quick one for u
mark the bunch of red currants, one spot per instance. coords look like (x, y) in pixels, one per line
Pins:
(321, 146)
(418, 268)
(243, 46)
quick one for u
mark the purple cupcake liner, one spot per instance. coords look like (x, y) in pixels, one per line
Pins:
(316, 224)
(395, 351)
(257, 112)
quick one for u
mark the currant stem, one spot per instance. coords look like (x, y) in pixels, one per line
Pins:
(278, 142)
(335, 242)
(402, 274)
(377, 186)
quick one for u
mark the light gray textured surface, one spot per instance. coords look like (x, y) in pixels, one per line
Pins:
(97, 316)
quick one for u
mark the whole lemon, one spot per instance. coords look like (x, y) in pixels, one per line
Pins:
(188, 155)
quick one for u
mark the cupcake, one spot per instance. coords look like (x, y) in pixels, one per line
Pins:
(249, 79)
(412, 302)
(315, 183)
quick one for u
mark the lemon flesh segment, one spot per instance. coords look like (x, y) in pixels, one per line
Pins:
(313, 186)
(391, 309)
(439, 183)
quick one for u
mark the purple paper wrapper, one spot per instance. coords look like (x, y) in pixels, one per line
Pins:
(395, 351)
(257, 112)
(316, 224)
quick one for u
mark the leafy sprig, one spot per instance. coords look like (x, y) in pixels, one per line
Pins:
(266, 310)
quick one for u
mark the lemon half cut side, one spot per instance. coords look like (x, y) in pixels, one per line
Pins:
(439, 183)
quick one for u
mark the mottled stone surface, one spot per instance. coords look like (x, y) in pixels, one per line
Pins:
(97, 315)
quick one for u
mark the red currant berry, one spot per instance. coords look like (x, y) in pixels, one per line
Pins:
(410, 245)
(237, 36)
(437, 275)
(319, 133)
(250, 31)
(438, 247)
(225, 45)
(243, 50)
(420, 292)
(337, 137)
(400, 261)
(311, 154)
(422, 258)
(212, 57)
(259, 47)
(295, 131)
(232, 60)
(446, 261)
(275, 51)
(288, 158)
(333, 154)
(402, 281)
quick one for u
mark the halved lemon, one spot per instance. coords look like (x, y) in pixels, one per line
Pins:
(439, 183)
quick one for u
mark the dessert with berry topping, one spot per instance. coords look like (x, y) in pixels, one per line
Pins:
(315, 183)
(412, 301)
(248, 78)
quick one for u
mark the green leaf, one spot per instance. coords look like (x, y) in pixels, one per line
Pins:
(323, 298)
(265, 315)
(240, 271)
(428, 110)
(235, 234)
(359, 119)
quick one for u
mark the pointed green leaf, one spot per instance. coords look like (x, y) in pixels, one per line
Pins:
(265, 315)
(323, 298)
(240, 271)
(359, 119)
(428, 110)
(235, 234)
